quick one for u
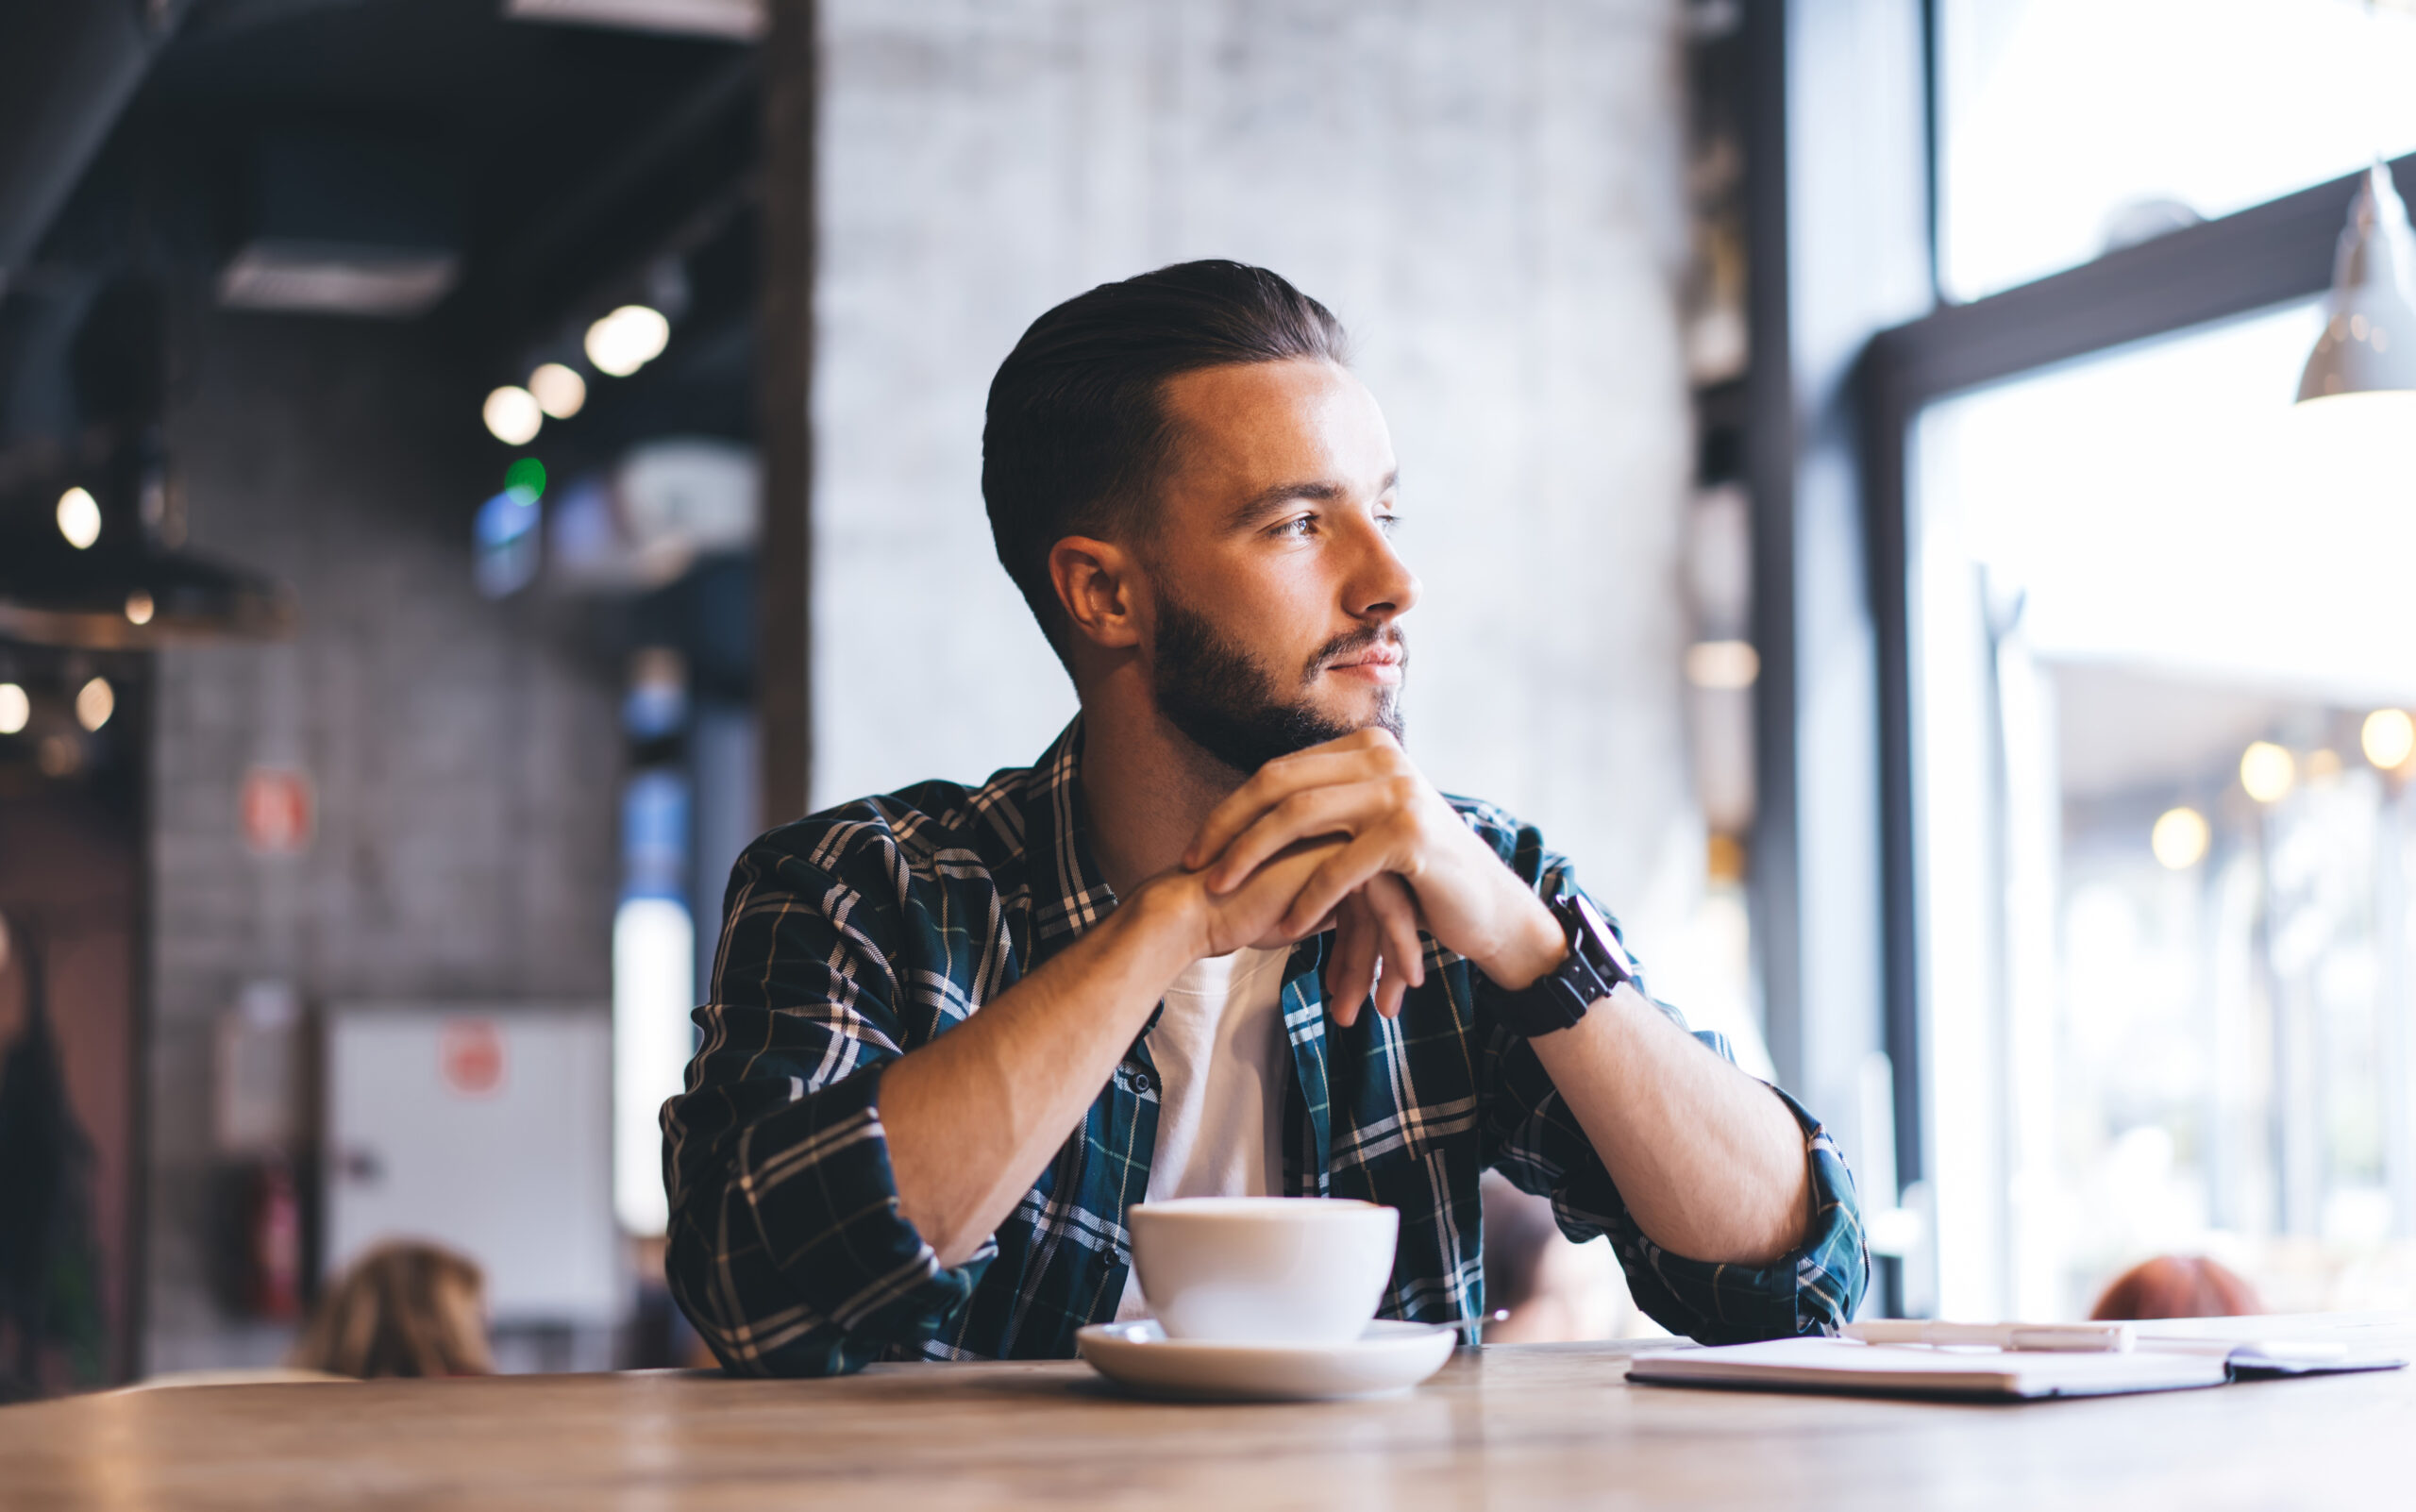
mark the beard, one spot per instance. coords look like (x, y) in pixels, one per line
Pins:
(1239, 712)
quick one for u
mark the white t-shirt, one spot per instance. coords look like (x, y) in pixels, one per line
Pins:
(1221, 1059)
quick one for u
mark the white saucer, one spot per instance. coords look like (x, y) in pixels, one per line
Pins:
(1388, 1357)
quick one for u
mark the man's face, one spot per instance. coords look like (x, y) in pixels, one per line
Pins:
(1275, 589)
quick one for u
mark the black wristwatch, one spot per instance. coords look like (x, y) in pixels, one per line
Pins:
(1596, 964)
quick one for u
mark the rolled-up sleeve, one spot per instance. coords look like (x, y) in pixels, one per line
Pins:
(786, 1247)
(1536, 1143)
(1533, 1138)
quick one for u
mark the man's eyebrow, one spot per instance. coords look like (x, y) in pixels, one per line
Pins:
(1322, 491)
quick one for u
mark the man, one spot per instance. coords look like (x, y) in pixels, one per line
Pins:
(1222, 939)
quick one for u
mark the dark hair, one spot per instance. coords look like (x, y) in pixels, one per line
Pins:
(1077, 435)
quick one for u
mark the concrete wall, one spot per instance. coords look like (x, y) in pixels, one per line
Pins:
(465, 755)
(1489, 197)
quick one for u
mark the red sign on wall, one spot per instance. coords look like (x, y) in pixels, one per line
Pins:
(278, 812)
(469, 1055)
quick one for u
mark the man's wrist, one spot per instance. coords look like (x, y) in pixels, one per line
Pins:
(1168, 917)
(1537, 946)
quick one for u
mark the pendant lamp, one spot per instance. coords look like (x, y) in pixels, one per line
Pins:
(2369, 341)
(104, 567)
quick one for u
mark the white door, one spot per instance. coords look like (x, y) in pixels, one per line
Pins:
(486, 1129)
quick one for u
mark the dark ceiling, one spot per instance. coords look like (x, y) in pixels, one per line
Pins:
(591, 167)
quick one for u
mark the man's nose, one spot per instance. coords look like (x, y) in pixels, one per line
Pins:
(1383, 587)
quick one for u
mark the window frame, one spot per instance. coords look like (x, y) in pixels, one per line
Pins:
(2267, 255)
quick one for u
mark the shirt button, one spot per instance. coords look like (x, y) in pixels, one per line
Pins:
(1141, 1082)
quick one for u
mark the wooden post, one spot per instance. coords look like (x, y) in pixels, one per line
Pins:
(784, 382)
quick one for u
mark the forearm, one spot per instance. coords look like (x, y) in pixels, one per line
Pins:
(1710, 1160)
(973, 1117)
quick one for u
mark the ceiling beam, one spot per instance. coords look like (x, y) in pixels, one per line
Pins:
(632, 206)
(67, 72)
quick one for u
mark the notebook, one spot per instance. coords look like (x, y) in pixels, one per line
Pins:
(1912, 1370)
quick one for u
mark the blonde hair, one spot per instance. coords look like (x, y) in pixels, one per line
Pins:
(404, 1309)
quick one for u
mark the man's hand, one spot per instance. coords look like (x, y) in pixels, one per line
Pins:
(974, 1117)
(1406, 861)
(1217, 922)
(1710, 1162)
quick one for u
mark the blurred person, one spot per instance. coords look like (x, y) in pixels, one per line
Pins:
(1553, 1291)
(2177, 1285)
(53, 1335)
(1222, 939)
(403, 1309)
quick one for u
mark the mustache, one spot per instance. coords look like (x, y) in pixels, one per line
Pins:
(1351, 643)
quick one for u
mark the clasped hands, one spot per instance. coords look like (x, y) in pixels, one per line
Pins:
(1350, 835)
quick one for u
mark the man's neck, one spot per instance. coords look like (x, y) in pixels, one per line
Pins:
(1146, 789)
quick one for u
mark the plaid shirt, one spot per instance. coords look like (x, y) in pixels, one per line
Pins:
(856, 936)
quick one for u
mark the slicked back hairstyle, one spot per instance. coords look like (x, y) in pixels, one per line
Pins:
(1077, 433)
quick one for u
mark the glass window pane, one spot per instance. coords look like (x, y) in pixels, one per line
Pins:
(2069, 125)
(2164, 856)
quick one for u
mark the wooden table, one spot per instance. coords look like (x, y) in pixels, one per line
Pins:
(1517, 1427)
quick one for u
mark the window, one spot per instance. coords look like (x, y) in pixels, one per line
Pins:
(2158, 653)
(2067, 126)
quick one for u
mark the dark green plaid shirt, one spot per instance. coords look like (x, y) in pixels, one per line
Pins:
(852, 937)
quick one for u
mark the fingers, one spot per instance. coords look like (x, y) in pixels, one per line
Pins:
(1311, 811)
(1354, 758)
(1343, 873)
(1394, 911)
(1352, 973)
(1376, 951)
(1251, 915)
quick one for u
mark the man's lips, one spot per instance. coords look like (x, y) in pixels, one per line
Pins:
(1379, 665)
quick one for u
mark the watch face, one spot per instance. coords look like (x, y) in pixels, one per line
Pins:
(1606, 945)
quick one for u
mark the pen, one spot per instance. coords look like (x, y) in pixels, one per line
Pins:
(2071, 1339)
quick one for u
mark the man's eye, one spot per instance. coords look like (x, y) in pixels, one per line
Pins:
(1298, 525)
(1390, 523)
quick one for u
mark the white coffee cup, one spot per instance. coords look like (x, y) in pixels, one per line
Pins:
(1264, 1269)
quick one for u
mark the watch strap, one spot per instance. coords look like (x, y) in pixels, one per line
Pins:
(1592, 969)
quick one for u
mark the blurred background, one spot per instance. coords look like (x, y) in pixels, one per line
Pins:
(468, 466)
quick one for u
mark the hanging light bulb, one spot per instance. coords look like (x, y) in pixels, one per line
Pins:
(627, 339)
(2180, 838)
(79, 518)
(2268, 771)
(2389, 738)
(513, 416)
(558, 391)
(2369, 341)
(94, 702)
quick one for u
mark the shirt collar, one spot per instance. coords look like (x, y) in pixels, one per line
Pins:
(1068, 893)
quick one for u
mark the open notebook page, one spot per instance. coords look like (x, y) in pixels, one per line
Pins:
(1887, 1369)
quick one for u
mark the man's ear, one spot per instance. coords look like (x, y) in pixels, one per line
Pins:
(1097, 584)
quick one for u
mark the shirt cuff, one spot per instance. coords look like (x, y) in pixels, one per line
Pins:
(815, 1176)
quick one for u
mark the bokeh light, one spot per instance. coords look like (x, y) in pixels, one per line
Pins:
(79, 518)
(627, 339)
(525, 479)
(2180, 838)
(15, 708)
(2389, 738)
(513, 416)
(2268, 772)
(94, 702)
(139, 608)
(558, 391)
(1726, 665)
